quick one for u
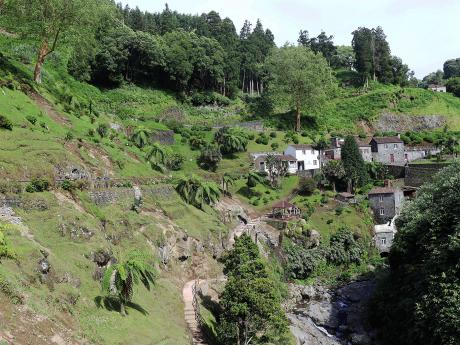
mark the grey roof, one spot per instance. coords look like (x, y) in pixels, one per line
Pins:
(346, 195)
(382, 190)
(387, 140)
(284, 204)
(301, 146)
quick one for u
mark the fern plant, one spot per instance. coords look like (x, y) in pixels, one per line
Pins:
(119, 279)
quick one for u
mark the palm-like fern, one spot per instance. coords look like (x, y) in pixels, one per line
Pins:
(254, 179)
(197, 192)
(157, 157)
(119, 279)
(231, 140)
(227, 180)
(141, 137)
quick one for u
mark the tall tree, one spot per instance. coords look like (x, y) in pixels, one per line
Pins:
(333, 171)
(353, 163)
(251, 303)
(50, 23)
(300, 79)
(362, 44)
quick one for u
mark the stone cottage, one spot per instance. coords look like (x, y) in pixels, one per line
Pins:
(335, 150)
(384, 235)
(385, 202)
(388, 150)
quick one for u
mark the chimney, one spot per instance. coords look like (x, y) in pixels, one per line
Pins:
(387, 183)
(399, 136)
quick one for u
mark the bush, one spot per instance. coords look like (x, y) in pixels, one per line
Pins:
(273, 135)
(210, 157)
(31, 119)
(68, 185)
(196, 142)
(5, 123)
(68, 136)
(262, 139)
(102, 129)
(38, 185)
(275, 146)
(174, 161)
(307, 186)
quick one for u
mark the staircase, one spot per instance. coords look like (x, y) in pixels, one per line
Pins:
(190, 313)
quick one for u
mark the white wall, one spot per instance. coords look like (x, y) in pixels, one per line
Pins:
(310, 157)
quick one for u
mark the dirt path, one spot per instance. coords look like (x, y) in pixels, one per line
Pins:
(48, 108)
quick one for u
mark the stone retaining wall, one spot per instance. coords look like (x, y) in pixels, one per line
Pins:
(418, 174)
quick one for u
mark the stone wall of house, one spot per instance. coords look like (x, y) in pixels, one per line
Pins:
(381, 153)
(418, 174)
(388, 204)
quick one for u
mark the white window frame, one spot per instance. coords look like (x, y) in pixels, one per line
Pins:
(304, 152)
(381, 198)
(312, 151)
(395, 146)
(382, 211)
(383, 241)
(386, 146)
(315, 162)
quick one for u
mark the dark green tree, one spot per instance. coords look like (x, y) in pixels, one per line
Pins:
(452, 68)
(353, 163)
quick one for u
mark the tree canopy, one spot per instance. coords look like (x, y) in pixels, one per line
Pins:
(300, 79)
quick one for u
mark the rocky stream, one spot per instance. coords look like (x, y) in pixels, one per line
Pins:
(319, 316)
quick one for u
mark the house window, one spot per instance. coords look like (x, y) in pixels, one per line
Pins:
(396, 146)
(382, 212)
(262, 165)
(312, 152)
(381, 198)
(315, 162)
(386, 146)
(304, 152)
(383, 241)
(406, 156)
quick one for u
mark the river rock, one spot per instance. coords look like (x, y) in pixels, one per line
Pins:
(324, 314)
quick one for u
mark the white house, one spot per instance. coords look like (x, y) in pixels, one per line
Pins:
(437, 88)
(306, 156)
(384, 235)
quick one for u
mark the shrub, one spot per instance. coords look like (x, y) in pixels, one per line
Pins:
(31, 119)
(210, 157)
(196, 142)
(102, 129)
(275, 146)
(44, 125)
(91, 132)
(324, 200)
(5, 123)
(273, 135)
(262, 139)
(68, 185)
(68, 136)
(307, 186)
(38, 185)
(174, 161)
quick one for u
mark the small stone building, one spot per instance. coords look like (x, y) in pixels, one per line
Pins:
(345, 197)
(284, 210)
(386, 203)
(388, 150)
(384, 235)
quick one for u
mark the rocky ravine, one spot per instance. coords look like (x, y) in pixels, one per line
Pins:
(323, 317)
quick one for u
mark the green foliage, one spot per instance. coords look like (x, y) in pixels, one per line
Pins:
(141, 137)
(5, 123)
(102, 129)
(31, 119)
(6, 251)
(453, 85)
(38, 184)
(451, 68)
(334, 172)
(353, 163)
(197, 192)
(210, 157)
(251, 302)
(119, 279)
(275, 146)
(419, 299)
(307, 186)
(231, 140)
(302, 80)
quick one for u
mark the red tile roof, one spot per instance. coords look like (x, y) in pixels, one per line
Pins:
(283, 204)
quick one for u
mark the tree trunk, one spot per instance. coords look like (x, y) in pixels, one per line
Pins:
(42, 52)
(333, 186)
(244, 77)
(122, 308)
(349, 186)
(297, 128)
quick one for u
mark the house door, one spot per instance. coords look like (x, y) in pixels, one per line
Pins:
(392, 158)
(301, 166)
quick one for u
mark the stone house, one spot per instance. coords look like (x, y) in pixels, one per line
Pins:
(365, 150)
(385, 202)
(384, 235)
(308, 158)
(419, 152)
(285, 209)
(388, 150)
